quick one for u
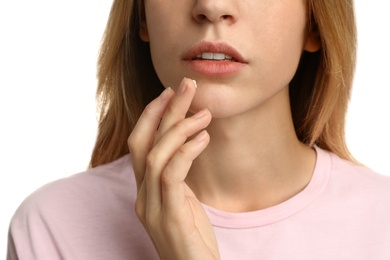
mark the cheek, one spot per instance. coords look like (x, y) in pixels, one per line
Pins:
(161, 55)
(281, 47)
(165, 20)
(289, 51)
(165, 29)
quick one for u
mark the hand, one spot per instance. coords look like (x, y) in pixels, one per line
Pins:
(162, 151)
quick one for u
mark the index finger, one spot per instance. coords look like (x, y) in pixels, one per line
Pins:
(141, 139)
(178, 107)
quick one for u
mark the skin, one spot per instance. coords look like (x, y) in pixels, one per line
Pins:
(248, 157)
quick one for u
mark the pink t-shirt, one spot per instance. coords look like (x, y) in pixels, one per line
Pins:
(344, 213)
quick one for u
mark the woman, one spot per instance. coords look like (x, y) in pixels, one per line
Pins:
(247, 162)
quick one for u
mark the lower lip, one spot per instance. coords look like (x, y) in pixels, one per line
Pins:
(215, 68)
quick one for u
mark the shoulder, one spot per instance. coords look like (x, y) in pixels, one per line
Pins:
(358, 176)
(87, 215)
(355, 204)
(96, 184)
(356, 188)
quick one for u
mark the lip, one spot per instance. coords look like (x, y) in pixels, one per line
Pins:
(216, 47)
(213, 67)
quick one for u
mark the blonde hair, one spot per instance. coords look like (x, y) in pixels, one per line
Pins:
(319, 91)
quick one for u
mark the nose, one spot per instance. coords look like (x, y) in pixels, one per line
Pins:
(215, 11)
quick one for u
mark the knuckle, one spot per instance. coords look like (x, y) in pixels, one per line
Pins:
(182, 153)
(151, 160)
(174, 109)
(166, 180)
(185, 155)
(151, 222)
(149, 109)
(132, 142)
(139, 209)
(181, 129)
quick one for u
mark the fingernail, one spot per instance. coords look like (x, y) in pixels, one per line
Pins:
(182, 87)
(200, 114)
(196, 85)
(201, 136)
(165, 94)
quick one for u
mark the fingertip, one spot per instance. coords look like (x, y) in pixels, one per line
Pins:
(188, 80)
(209, 115)
(166, 94)
(209, 111)
(202, 137)
(195, 84)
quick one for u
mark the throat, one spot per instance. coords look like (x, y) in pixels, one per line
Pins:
(248, 184)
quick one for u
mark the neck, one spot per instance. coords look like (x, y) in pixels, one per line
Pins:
(253, 161)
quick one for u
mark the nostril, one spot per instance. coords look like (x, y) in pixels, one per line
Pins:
(212, 11)
(202, 17)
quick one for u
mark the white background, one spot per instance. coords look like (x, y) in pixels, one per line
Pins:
(48, 51)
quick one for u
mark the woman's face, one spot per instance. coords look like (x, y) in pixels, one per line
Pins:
(241, 52)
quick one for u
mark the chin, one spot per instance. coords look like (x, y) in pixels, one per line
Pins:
(219, 108)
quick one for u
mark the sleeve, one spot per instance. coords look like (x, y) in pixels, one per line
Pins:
(11, 250)
(31, 236)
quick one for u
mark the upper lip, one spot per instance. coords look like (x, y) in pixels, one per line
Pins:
(214, 47)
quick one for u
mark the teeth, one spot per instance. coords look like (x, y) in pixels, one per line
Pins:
(213, 56)
(207, 56)
(218, 56)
